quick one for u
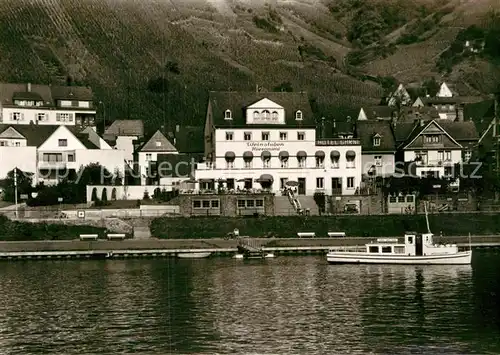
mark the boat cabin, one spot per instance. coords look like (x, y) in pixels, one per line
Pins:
(414, 245)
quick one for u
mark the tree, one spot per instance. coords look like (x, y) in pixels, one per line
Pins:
(94, 174)
(431, 86)
(284, 87)
(24, 184)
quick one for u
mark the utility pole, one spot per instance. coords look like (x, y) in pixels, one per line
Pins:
(15, 190)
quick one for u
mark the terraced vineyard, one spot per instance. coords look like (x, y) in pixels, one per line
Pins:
(119, 47)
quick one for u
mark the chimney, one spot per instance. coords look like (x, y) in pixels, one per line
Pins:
(177, 128)
(29, 87)
(256, 87)
(421, 122)
(334, 124)
(322, 127)
(460, 112)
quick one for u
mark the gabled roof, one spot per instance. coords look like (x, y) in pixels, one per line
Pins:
(35, 135)
(333, 129)
(46, 93)
(379, 112)
(125, 128)
(237, 102)
(11, 133)
(367, 130)
(190, 139)
(158, 143)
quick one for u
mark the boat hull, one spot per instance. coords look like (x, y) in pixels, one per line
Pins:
(193, 255)
(461, 258)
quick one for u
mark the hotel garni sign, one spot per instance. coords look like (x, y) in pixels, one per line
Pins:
(262, 146)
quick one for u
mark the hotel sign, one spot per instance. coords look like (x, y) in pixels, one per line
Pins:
(262, 146)
(325, 142)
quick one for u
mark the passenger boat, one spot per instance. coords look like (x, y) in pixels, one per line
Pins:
(415, 249)
(194, 255)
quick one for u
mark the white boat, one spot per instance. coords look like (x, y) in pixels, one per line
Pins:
(194, 255)
(415, 249)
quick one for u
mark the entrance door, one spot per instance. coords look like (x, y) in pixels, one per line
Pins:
(302, 186)
(418, 245)
(336, 186)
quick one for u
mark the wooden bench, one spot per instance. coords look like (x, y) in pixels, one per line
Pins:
(306, 234)
(336, 234)
(89, 236)
(116, 236)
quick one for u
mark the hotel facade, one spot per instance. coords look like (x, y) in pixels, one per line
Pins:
(261, 141)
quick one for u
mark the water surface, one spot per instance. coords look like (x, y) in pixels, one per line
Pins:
(282, 306)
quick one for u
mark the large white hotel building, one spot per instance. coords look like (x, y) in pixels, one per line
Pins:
(261, 140)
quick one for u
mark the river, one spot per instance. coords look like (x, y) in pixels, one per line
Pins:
(285, 305)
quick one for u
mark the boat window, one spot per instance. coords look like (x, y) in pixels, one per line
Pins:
(399, 250)
(410, 240)
(373, 249)
(387, 249)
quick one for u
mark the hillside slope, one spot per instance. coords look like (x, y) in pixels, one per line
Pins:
(157, 60)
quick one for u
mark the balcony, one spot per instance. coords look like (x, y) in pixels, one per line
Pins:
(338, 142)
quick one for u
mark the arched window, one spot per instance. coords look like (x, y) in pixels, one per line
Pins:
(274, 115)
(227, 115)
(256, 115)
(298, 115)
(266, 114)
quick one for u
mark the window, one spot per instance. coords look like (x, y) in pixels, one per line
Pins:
(17, 116)
(41, 117)
(283, 182)
(376, 141)
(3, 143)
(227, 115)
(298, 115)
(373, 249)
(256, 115)
(350, 162)
(248, 164)
(335, 162)
(440, 155)
(84, 104)
(250, 203)
(63, 142)
(158, 143)
(149, 156)
(196, 204)
(320, 183)
(410, 240)
(265, 136)
(301, 136)
(410, 198)
(467, 156)
(64, 117)
(320, 162)
(283, 136)
(302, 162)
(399, 249)
(275, 115)
(247, 136)
(241, 203)
(259, 203)
(447, 155)
(229, 136)
(401, 199)
(206, 203)
(284, 163)
(214, 203)
(421, 157)
(386, 249)
(392, 199)
(266, 114)
(71, 157)
(378, 160)
(350, 182)
(229, 164)
(433, 138)
(448, 171)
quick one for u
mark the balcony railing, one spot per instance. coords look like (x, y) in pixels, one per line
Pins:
(52, 165)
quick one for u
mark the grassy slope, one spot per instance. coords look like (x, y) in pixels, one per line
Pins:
(112, 45)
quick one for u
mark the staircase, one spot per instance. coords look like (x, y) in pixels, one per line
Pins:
(294, 204)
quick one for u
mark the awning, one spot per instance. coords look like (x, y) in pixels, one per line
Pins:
(247, 156)
(320, 154)
(230, 156)
(334, 155)
(265, 178)
(350, 154)
(266, 155)
(283, 155)
(301, 154)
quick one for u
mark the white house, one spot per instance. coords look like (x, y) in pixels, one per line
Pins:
(446, 90)
(53, 152)
(378, 147)
(156, 145)
(24, 104)
(399, 97)
(265, 139)
(122, 134)
(435, 147)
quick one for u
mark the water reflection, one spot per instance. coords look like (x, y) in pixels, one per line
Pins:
(282, 306)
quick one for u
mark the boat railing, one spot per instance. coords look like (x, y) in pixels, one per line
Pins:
(350, 248)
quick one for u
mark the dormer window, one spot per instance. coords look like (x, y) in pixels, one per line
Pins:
(298, 115)
(228, 115)
(275, 115)
(256, 115)
(376, 141)
(266, 114)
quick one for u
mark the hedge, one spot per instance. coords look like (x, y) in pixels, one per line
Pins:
(20, 231)
(354, 226)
